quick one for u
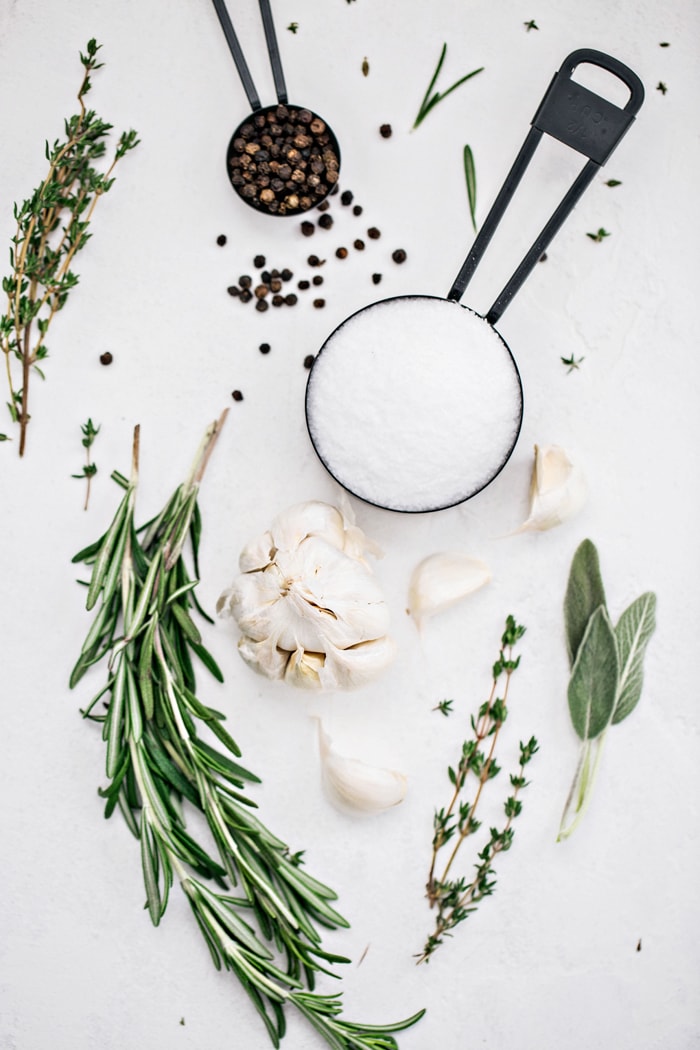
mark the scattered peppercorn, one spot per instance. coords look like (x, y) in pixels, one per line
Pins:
(346, 197)
(264, 348)
(106, 358)
(286, 274)
(261, 305)
(246, 295)
(359, 245)
(303, 285)
(357, 210)
(543, 257)
(318, 279)
(376, 278)
(373, 233)
(341, 253)
(245, 281)
(221, 240)
(319, 303)
(237, 395)
(399, 255)
(278, 300)
(326, 221)
(233, 289)
(261, 291)
(385, 131)
(290, 299)
(259, 262)
(308, 360)
(313, 260)
(323, 206)
(307, 228)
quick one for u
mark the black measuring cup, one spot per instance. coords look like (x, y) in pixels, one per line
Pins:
(282, 159)
(415, 403)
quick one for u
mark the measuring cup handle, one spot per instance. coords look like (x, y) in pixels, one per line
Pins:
(582, 120)
(237, 53)
(273, 51)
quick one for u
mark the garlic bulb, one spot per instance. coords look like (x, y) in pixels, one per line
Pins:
(354, 786)
(442, 579)
(557, 489)
(308, 605)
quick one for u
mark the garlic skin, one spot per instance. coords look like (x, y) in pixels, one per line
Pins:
(441, 580)
(558, 489)
(307, 603)
(355, 787)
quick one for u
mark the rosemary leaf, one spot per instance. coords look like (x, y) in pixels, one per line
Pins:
(470, 177)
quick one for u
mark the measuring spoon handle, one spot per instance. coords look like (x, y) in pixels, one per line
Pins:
(579, 118)
(273, 51)
(237, 53)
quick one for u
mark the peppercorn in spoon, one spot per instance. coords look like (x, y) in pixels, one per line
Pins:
(282, 159)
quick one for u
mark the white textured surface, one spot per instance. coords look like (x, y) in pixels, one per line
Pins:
(551, 960)
(414, 403)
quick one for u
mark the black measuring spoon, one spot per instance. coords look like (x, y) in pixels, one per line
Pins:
(415, 403)
(282, 159)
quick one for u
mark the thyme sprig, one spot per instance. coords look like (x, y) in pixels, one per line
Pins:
(456, 898)
(52, 227)
(257, 908)
(90, 432)
(431, 97)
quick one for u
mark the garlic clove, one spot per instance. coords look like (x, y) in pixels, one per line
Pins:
(558, 489)
(313, 518)
(441, 580)
(303, 669)
(258, 554)
(356, 665)
(356, 787)
(263, 656)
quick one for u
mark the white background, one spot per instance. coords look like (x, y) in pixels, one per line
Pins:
(552, 959)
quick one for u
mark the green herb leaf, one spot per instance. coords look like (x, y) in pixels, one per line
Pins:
(593, 685)
(584, 593)
(632, 633)
(470, 177)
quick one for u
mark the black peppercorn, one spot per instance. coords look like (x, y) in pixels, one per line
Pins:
(262, 305)
(290, 299)
(373, 233)
(342, 253)
(318, 279)
(313, 260)
(319, 303)
(399, 255)
(307, 228)
(376, 278)
(308, 360)
(359, 245)
(346, 197)
(106, 358)
(385, 131)
(245, 281)
(221, 239)
(237, 395)
(357, 210)
(303, 285)
(233, 290)
(264, 348)
(259, 262)
(246, 295)
(326, 221)
(278, 300)
(324, 205)
(286, 275)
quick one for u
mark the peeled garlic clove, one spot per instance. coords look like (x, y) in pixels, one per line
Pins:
(443, 579)
(557, 489)
(356, 787)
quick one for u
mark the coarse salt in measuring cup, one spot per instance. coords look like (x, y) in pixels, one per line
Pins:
(453, 420)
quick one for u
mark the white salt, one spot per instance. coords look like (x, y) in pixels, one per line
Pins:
(414, 403)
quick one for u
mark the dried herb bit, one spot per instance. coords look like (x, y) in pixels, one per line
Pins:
(431, 99)
(365, 67)
(52, 227)
(572, 363)
(293, 26)
(90, 432)
(600, 235)
(456, 898)
(613, 182)
(532, 24)
(386, 131)
(664, 44)
(444, 707)
(169, 756)
(606, 669)
(662, 87)
(470, 178)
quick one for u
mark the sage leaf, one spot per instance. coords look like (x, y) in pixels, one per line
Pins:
(584, 594)
(632, 633)
(593, 685)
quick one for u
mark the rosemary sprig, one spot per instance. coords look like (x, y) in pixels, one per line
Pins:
(431, 98)
(52, 227)
(256, 907)
(90, 432)
(456, 898)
